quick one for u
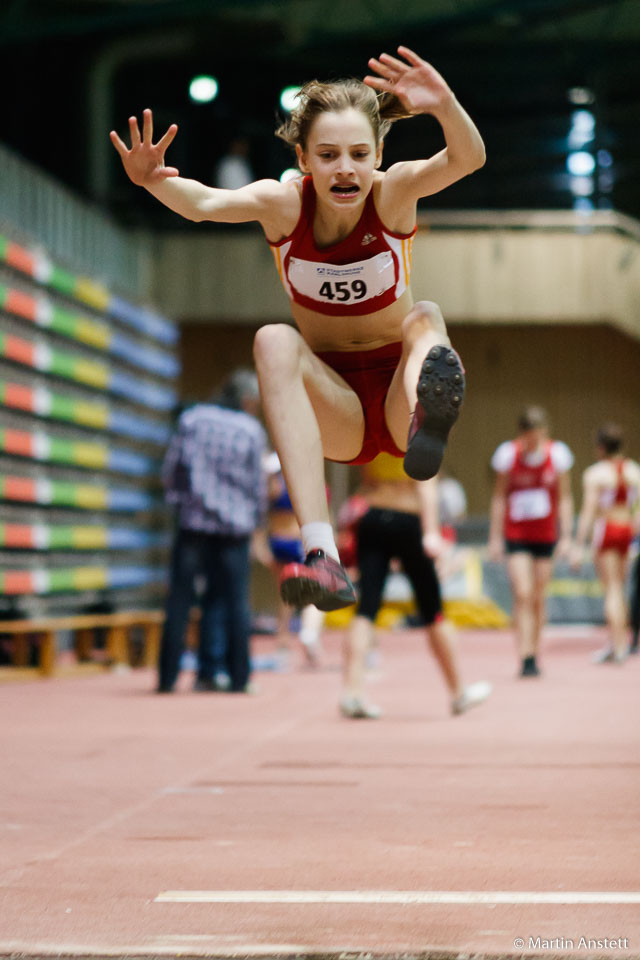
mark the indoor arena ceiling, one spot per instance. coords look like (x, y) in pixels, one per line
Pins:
(74, 66)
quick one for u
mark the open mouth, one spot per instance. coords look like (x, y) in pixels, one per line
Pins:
(345, 189)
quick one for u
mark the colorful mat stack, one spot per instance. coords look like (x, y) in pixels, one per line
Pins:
(87, 390)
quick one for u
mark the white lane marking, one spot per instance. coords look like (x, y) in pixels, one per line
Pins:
(49, 949)
(181, 790)
(395, 896)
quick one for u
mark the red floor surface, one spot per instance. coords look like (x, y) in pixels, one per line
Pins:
(113, 796)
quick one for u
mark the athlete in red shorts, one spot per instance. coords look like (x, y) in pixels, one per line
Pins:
(610, 514)
(341, 238)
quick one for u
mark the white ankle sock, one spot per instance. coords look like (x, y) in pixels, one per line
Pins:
(319, 536)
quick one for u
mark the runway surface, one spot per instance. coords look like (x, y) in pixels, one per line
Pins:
(226, 825)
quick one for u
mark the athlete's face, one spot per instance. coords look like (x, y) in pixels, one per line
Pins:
(533, 439)
(341, 156)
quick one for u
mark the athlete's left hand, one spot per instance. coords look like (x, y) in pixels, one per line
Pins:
(416, 84)
(433, 545)
(563, 549)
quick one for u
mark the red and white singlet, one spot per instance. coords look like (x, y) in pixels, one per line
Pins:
(613, 534)
(532, 497)
(365, 272)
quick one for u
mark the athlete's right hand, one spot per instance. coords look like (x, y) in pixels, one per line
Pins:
(144, 162)
(576, 557)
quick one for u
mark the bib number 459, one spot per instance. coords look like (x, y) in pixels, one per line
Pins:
(343, 290)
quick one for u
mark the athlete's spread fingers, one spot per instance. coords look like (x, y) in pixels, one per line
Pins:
(397, 65)
(378, 83)
(135, 133)
(147, 128)
(382, 69)
(412, 57)
(118, 144)
(164, 141)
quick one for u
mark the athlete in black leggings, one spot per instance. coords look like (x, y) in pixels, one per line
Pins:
(410, 535)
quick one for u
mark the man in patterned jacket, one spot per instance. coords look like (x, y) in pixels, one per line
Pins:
(213, 475)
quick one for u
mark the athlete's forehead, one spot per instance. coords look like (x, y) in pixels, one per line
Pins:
(338, 128)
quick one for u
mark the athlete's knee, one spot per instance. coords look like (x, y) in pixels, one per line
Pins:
(524, 593)
(276, 348)
(425, 315)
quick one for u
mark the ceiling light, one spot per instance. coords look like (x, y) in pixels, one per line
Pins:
(203, 89)
(289, 98)
(580, 96)
(580, 163)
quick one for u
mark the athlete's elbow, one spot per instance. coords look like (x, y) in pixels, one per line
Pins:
(481, 158)
(467, 165)
(197, 214)
(477, 159)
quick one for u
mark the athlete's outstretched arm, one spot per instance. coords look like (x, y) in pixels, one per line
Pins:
(421, 89)
(144, 164)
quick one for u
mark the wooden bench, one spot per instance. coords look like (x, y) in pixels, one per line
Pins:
(43, 630)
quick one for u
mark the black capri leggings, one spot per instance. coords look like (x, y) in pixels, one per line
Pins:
(382, 536)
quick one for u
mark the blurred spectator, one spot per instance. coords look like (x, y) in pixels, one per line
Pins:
(234, 169)
(213, 475)
(452, 500)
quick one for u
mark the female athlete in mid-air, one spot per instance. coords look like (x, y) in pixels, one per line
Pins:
(366, 370)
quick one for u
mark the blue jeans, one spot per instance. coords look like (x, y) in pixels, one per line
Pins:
(224, 562)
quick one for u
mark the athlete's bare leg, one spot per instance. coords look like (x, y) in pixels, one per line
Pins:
(441, 642)
(542, 568)
(356, 646)
(283, 634)
(611, 570)
(441, 638)
(311, 414)
(422, 328)
(520, 570)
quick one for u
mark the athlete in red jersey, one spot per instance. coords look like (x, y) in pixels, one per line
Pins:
(378, 373)
(609, 511)
(531, 505)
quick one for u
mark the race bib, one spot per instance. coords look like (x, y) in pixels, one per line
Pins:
(529, 504)
(351, 283)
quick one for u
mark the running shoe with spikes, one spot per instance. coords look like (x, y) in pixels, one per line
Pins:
(440, 394)
(320, 580)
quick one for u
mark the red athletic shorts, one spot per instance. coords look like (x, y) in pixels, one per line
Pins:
(613, 536)
(369, 374)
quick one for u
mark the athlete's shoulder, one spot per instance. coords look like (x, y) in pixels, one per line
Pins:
(561, 455)
(504, 457)
(280, 205)
(598, 473)
(632, 468)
